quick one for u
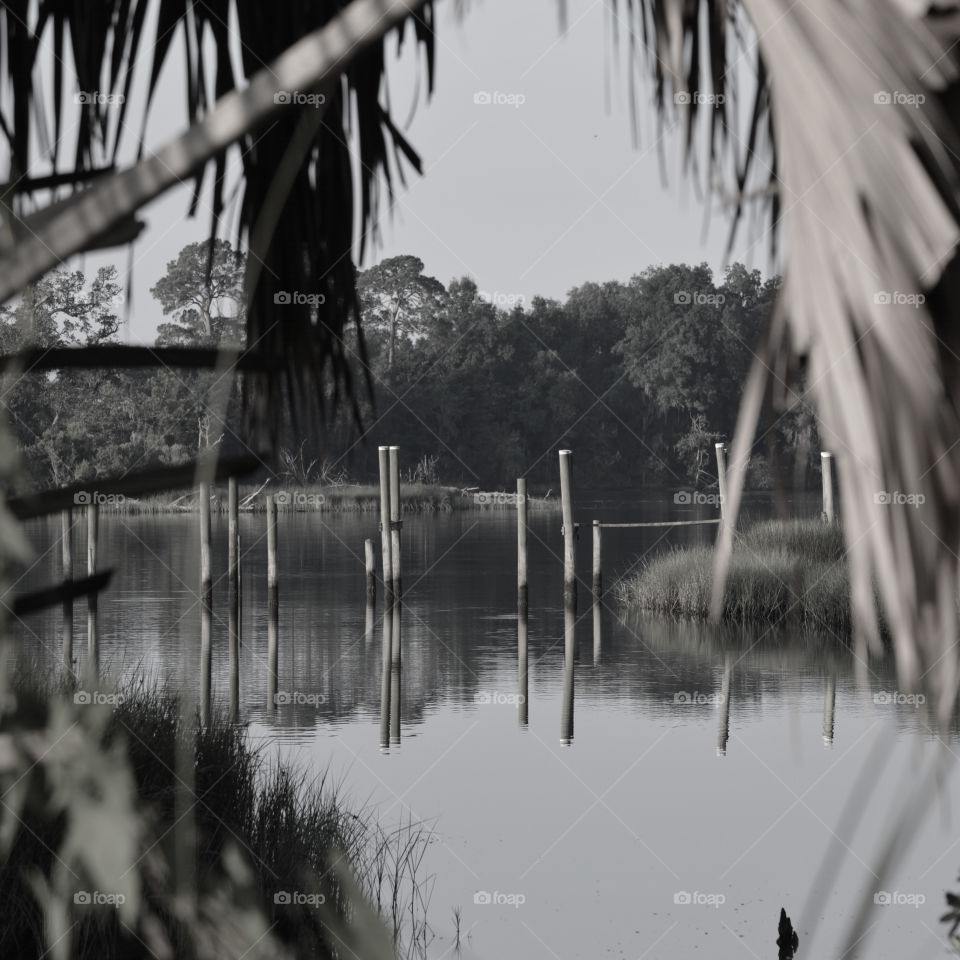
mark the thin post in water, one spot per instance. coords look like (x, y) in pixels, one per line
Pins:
(721, 449)
(93, 516)
(569, 531)
(66, 538)
(206, 567)
(371, 568)
(829, 702)
(387, 558)
(826, 471)
(395, 518)
(522, 592)
(233, 591)
(273, 606)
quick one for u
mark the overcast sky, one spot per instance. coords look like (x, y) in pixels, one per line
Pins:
(534, 192)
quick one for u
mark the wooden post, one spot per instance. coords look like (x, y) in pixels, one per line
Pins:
(826, 471)
(206, 568)
(522, 592)
(395, 518)
(371, 565)
(597, 569)
(271, 545)
(66, 533)
(387, 558)
(93, 516)
(721, 449)
(569, 531)
(233, 592)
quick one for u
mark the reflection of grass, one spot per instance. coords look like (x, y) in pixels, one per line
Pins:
(266, 844)
(795, 570)
(336, 498)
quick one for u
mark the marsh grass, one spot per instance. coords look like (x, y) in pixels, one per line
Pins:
(793, 570)
(282, 831)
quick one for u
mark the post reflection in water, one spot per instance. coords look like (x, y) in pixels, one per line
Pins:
(522, 698)
(723, 726)
(369, 624)
(569, 653)
(273, 625)
(395, 671)
(597, 627)
(829, 698)
(233, 642)
(385, 678)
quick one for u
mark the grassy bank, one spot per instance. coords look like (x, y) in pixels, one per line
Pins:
(338, 498)
(794, 570)
(274, 864)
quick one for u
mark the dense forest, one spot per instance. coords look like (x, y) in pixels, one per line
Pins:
(639, 378)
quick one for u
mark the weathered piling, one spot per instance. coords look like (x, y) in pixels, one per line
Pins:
(371, 568)
(597, 568)
(826, 473)
(272, 582)
(522, 593)
(93, 658)
(723, 721)
(233, 594)
(385, 538)
(829, 702)
(721, 449)
(206, 564)
(395, 522)
(66, 541)
(569, 530)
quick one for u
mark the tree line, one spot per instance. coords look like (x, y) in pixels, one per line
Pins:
(640, 379)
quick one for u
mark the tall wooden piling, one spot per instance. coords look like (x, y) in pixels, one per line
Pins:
(93, 517)
(371, 570)
(66, 541)
(597, 568)
(569, 531)
(385, 538)
(206, 560)
(395, 519)
(721, 449)
(826, 472)
(522, 593)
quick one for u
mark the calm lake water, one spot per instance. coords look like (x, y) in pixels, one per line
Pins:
(668, 827)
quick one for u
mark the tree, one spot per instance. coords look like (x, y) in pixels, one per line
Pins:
(398, 301)
(204, 298)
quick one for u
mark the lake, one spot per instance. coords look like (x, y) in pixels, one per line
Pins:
(701, 789)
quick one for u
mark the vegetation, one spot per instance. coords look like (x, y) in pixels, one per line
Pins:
(792, 570)
(277, 856)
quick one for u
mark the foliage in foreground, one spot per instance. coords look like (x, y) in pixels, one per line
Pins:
(792, 570)
(92, 862)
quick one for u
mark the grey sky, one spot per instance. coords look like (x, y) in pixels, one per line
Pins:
(530, 197)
